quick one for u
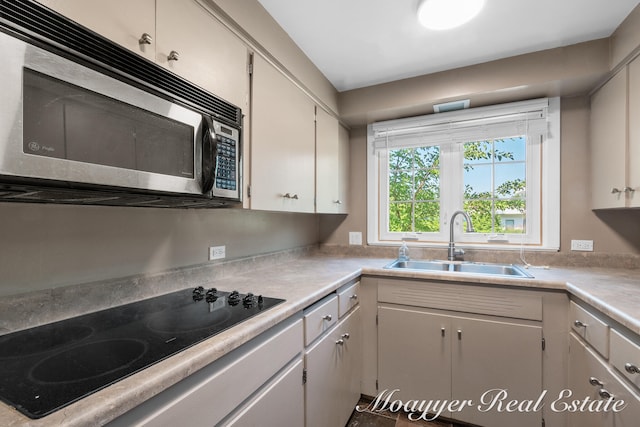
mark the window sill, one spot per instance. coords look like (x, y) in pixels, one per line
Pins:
(474, 246)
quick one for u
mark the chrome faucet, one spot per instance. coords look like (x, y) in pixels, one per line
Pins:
(453, 252)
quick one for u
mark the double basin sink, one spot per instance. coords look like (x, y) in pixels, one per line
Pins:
(509, 270)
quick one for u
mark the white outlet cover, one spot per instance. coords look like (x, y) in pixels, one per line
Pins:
(355, 238)
(582, 245)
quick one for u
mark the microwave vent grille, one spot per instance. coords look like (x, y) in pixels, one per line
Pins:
(32, 20)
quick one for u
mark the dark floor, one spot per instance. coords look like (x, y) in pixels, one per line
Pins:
(363, 417)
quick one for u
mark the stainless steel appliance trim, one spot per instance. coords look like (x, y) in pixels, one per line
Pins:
(14, 162)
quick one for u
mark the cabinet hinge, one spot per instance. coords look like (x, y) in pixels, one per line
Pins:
(249, 191)
(250, 64)
(544, 344)
(304, 376)
(376, 386)
(543, 423)
(376, 320)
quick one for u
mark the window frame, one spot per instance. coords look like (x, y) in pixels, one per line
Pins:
(542, 177)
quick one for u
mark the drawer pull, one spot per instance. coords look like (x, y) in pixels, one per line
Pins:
(345, 336)
(595, 382)
(631, 368)
(173, 56)
(327, 318)
(340, 342)
(442, 332)
(579, 324)
(459, 334)
(354, 296)
(605, 394)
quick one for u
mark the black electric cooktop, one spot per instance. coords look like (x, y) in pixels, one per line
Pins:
(48, 367)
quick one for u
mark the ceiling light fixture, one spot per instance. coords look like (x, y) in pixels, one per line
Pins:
(447, 14)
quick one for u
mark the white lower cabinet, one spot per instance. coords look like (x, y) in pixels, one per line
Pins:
(281, 403)
(428, 354)
(332, 366)
(260, 372)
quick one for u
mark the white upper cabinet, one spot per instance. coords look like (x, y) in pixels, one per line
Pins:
(332, 162)
(615, 141)
(208, 53)
(282, 143)
(180, 36)
(130, 23)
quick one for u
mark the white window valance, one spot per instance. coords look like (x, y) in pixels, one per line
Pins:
(507, 120)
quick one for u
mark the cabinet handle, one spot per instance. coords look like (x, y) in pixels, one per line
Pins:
(605, 394)
(354, 296)
(337, 202)
(145, 38)
(327, 318)
(289, 196)
(615, 190)
(346, 336)
(628, 189)
(579, 324)
(340, 342)
(173, 56)
(595, 382)
(631, 368)
(442, 331)
(459, 334)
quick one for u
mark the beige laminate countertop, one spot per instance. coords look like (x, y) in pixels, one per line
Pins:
(302, 282)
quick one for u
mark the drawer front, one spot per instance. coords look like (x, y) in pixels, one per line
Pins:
(320, 317)
(465, 298)
(625, 356)
(348, 298)
(593, 330)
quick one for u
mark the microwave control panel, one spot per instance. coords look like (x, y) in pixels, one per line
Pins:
(227, 173)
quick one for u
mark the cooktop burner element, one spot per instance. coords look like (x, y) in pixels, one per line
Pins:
(46, 368)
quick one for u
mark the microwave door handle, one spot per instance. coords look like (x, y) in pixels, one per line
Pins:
(209, 154)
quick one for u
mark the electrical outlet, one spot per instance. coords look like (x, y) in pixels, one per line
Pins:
(582, 245)
(217, 252)
(355, 238)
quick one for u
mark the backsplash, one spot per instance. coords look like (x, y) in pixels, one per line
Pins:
(534, 258)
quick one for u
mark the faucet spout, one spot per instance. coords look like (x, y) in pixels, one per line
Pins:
(453, 253)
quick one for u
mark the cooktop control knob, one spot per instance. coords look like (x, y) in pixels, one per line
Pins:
(248, 300)
(233, 298)
(198, 293)
(212, 295)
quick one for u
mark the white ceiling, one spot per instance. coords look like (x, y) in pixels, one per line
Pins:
(358, 43)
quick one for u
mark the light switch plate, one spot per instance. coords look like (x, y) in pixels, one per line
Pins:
(217, 252)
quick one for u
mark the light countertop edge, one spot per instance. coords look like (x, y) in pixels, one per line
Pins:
(301, 282)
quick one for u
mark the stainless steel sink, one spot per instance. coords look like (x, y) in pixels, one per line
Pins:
(510, 270)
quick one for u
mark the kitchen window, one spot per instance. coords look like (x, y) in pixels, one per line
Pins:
(501, 164)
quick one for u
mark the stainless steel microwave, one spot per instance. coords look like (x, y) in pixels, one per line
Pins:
(84, 134)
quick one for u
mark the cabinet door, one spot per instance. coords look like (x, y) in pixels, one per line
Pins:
(333, 375)
(327, 163)
(608, 143)
(210, 55)
(350, 375)
(283, 143)
(121, 21)
(280, 404)
(588, 377)
(414, 354)
(634, 133)
(488, 355)
(343, 169)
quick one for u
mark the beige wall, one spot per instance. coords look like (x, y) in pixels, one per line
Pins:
(47, 246)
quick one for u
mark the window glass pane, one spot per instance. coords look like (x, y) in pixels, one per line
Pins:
(400, 217)
(414, 190)
(494, 176)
